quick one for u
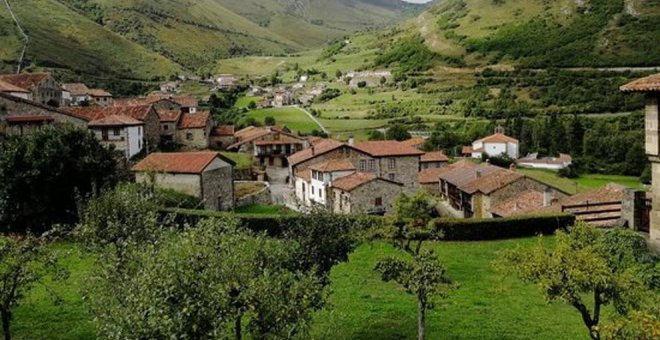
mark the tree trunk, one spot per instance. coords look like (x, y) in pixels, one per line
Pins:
(6, 318)
(237, 328)
(421, 320)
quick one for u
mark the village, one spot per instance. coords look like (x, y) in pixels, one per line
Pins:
(305, 173)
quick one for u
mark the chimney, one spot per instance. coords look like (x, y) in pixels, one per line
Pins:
(547, 197)
(351, 141)
(478, 173)
(313, 150)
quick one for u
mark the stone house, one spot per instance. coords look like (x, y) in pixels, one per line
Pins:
(169, 120)
(432, 160)
(43, 87)
(474, 190)
(15, 91)
(314, 182)
(187, 104)
(100, 97)
(125, 133)
(429, 180)
(21, 116)
(650, 86)
(194, 130)
(146, 114)
(205, 175)
(222, 136)
(269, 146)
(494, 145)
(364, 193)
(79, 93)
(282, 98)
(226, 82)
(415, 142)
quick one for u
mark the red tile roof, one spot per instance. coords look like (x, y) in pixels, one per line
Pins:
(305, 174)
(76, 89)
(646, 84)
(333, 165)
(319, 148)
(495, 180)
(29, 119)
(387, 148)
(27, 81)
(431, 176)
(183, 162)
(284, 139)
(199, 120)
(223, 130)
(437, 156)
(187, 101)
(467, 150)
(498, 138)
(99, 93)
(523, 203)
(169, 116)
(97, 112)
(414, 142)
(358, 179)
(8, 87)
(115, 120)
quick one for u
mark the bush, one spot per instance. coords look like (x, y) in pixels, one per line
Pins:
(502, 228)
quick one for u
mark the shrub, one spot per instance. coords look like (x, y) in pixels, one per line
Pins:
(502, 228)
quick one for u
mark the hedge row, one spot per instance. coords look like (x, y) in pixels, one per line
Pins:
(502, 228)
(452, 229)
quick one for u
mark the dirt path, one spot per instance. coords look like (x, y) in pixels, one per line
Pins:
(311, 116)
(26, 38)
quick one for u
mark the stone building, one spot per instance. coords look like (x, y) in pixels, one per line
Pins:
(222, 136)
(194, 130)
(80, 94)
(205, 175)
(145, 114)
(21, 116)
(495, 145)
(432, 160)
(187, 104)
(125, 133)
(269, 146)
(650, 86)
(169, 120)
(15, 91)
(364, 193)
(43, 87)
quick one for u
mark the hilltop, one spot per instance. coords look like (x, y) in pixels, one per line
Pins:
(142, 39)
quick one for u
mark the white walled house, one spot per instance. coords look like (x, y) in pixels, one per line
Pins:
(547, 163)
(493, 146)
(124, 132)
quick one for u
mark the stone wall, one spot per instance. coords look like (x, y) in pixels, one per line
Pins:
(152, 129)
(262, 197)
(199, 138)
(218, 188)
(12, 106)
(362, 199)
(189, 184)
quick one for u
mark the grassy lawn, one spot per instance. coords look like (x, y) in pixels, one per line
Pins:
(583, 183)
(242, 189)
(261, 209)
(293, 118)
(486, 305)
(245, 101)
(243, 160)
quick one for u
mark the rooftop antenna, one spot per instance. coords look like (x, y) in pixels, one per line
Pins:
(26, 39)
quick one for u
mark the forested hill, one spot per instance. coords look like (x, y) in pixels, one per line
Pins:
(541, 33)
(147, 38)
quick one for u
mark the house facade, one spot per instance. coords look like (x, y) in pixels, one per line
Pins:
(364, 193)
(269, 146)
(125, 134)
(494, 145)
(222, 136)
(433, 160)
(205, 175)
(43, 87)
(79, 94)
(194, 130)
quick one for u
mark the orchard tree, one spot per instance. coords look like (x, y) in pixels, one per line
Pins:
(24, 260)
(397, 132)
(610, 268)
(43, 176)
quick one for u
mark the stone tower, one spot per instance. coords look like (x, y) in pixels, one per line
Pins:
(651, 87)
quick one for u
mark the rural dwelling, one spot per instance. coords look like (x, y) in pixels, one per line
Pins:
(494, 145)
(473, 190)
(364, 193)
(226, 82)
(282, 98)
(432, 160)
(222, 136)
(315, 181)
(270, 145)
(169, 120)
(415, 142)
(194, 130)
(548, 163)
(21, 116)
(43, 87)
(205, 175)
(79, 94)
(429, 180)
(650, 86)
(15, 91)
(125, 133)
(145, 114)
(187, 104)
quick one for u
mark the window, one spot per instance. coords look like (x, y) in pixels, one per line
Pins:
(189, 136)
(166, 127)
(392, 177)
(391, 163)
(378, 202)
(116, 132)
(372, 165)
(363, 165)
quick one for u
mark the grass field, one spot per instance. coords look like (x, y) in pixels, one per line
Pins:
(291, 117)
(245, 101)
(485, 306)
(261, 209)
(583, 183)
(243, 161)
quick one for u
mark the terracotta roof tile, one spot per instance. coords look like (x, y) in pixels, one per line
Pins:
(467, 150)
(387, 148)
(29, 118)
(8, 87)
(223, 130)
(523, 203)
(27, 81)
(357, 179)
(199, 120)
(494, 180)
(432, 175)
(437, 156)
(76, 89)
(498, 138)
(187, 101)
(284, 139)
(333, 165)
(169, 116)
(414, 142)
(99, 93)
(305, 174)
(115, 120)
(91, 113)
(319, 148)
(646, 84)
(183, 162)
